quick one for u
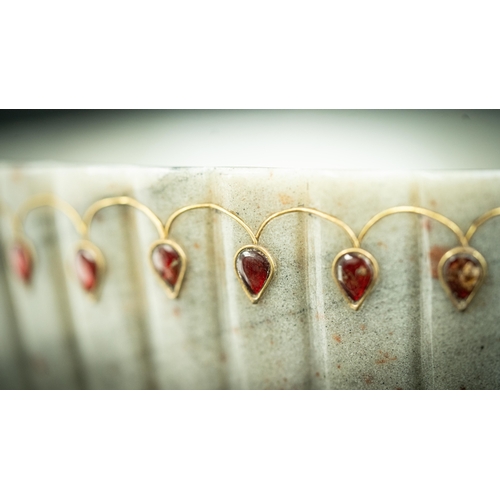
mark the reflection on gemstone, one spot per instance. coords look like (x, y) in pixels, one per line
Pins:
(254, 269)
(167, 263)
(354, 273)
(86, 269)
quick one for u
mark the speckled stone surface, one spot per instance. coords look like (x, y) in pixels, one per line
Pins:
(301, 335)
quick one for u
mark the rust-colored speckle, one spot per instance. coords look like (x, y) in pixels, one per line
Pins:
(271, 342)
(317, 374)
(338, 366)
(368, 379)
(223, 357)
(427, 223)
(385, 357)
(381, 244)
(196, 245)
(399, 388)
(176, 312)
(391, 333)
(363, 327)
(435, 254)
(337, 338)
(433, 203)
(285, 199)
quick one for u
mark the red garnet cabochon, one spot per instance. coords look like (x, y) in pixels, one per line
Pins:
(254, 269)
(86, 269)
(354, 273)
(462, 273)
(22, 262)
(167, 263)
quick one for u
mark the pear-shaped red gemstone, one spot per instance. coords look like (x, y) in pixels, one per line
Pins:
(253, 268)
(21, 261)
(167, 263)
(462, 273)
(354, 273)
(86, 269)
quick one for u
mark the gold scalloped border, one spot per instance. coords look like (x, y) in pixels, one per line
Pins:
(83, 223)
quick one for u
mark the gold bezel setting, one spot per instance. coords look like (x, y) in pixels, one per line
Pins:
(172, 293)
(254, 298)
(461, 305)
(356, 305)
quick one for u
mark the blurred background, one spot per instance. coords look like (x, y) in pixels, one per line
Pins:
(415, 139)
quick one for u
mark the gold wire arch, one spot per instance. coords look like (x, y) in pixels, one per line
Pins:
(419, 211)
(311, 211)
(218, 208)
(99, 205)
(48, 200)
(495, 212)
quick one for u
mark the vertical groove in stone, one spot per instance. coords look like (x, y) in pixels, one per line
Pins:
(318, 355)
(417, 339)
(65, 307)
(426, 297)
(303, 254)
(264, 353)
(185, 338)
(138, 237)
(13, 360)
(463, 346)
(42, 316)
(235, 361)
(138, 299)
(375, 347)
(229, 237)
(52, 355)
(122, 338)
(218, 279)
(111, 332)
(51, 263)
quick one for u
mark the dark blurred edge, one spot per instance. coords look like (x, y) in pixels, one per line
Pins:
(9, 117)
